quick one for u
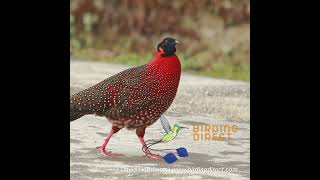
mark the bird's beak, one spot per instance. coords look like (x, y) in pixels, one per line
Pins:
(177, 42)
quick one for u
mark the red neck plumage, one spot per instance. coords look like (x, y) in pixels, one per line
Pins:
(171, 63)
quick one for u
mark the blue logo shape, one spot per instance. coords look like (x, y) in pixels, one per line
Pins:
(182, 152)
(170, 158)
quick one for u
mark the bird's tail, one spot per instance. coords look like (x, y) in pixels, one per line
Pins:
(75, 115)
(76, 111)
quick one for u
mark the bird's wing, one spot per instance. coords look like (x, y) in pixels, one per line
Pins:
(165, 124)
(110, 96)
(133, 93)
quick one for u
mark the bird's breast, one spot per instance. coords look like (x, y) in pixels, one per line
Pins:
(165, 74)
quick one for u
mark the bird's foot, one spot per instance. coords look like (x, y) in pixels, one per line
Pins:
(108, 153)
(153, 156)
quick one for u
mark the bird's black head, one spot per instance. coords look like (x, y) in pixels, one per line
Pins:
(167, 47)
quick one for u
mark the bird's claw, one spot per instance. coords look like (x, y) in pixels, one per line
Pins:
(108, 153)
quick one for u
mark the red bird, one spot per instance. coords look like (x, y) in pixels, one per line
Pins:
(134, 98)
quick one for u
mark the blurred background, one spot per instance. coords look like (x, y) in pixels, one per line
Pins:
(214, 35)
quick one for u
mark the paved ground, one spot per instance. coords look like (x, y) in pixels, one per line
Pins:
(199, 101)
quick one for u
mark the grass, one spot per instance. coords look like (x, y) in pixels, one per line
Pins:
(222, 68)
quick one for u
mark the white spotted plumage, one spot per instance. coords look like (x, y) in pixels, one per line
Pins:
(134, 97)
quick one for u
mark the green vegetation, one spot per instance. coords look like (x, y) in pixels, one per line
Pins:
(214, 35)
(189, 64)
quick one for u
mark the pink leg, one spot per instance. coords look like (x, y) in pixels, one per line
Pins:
(102, 148)
(140, 132)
